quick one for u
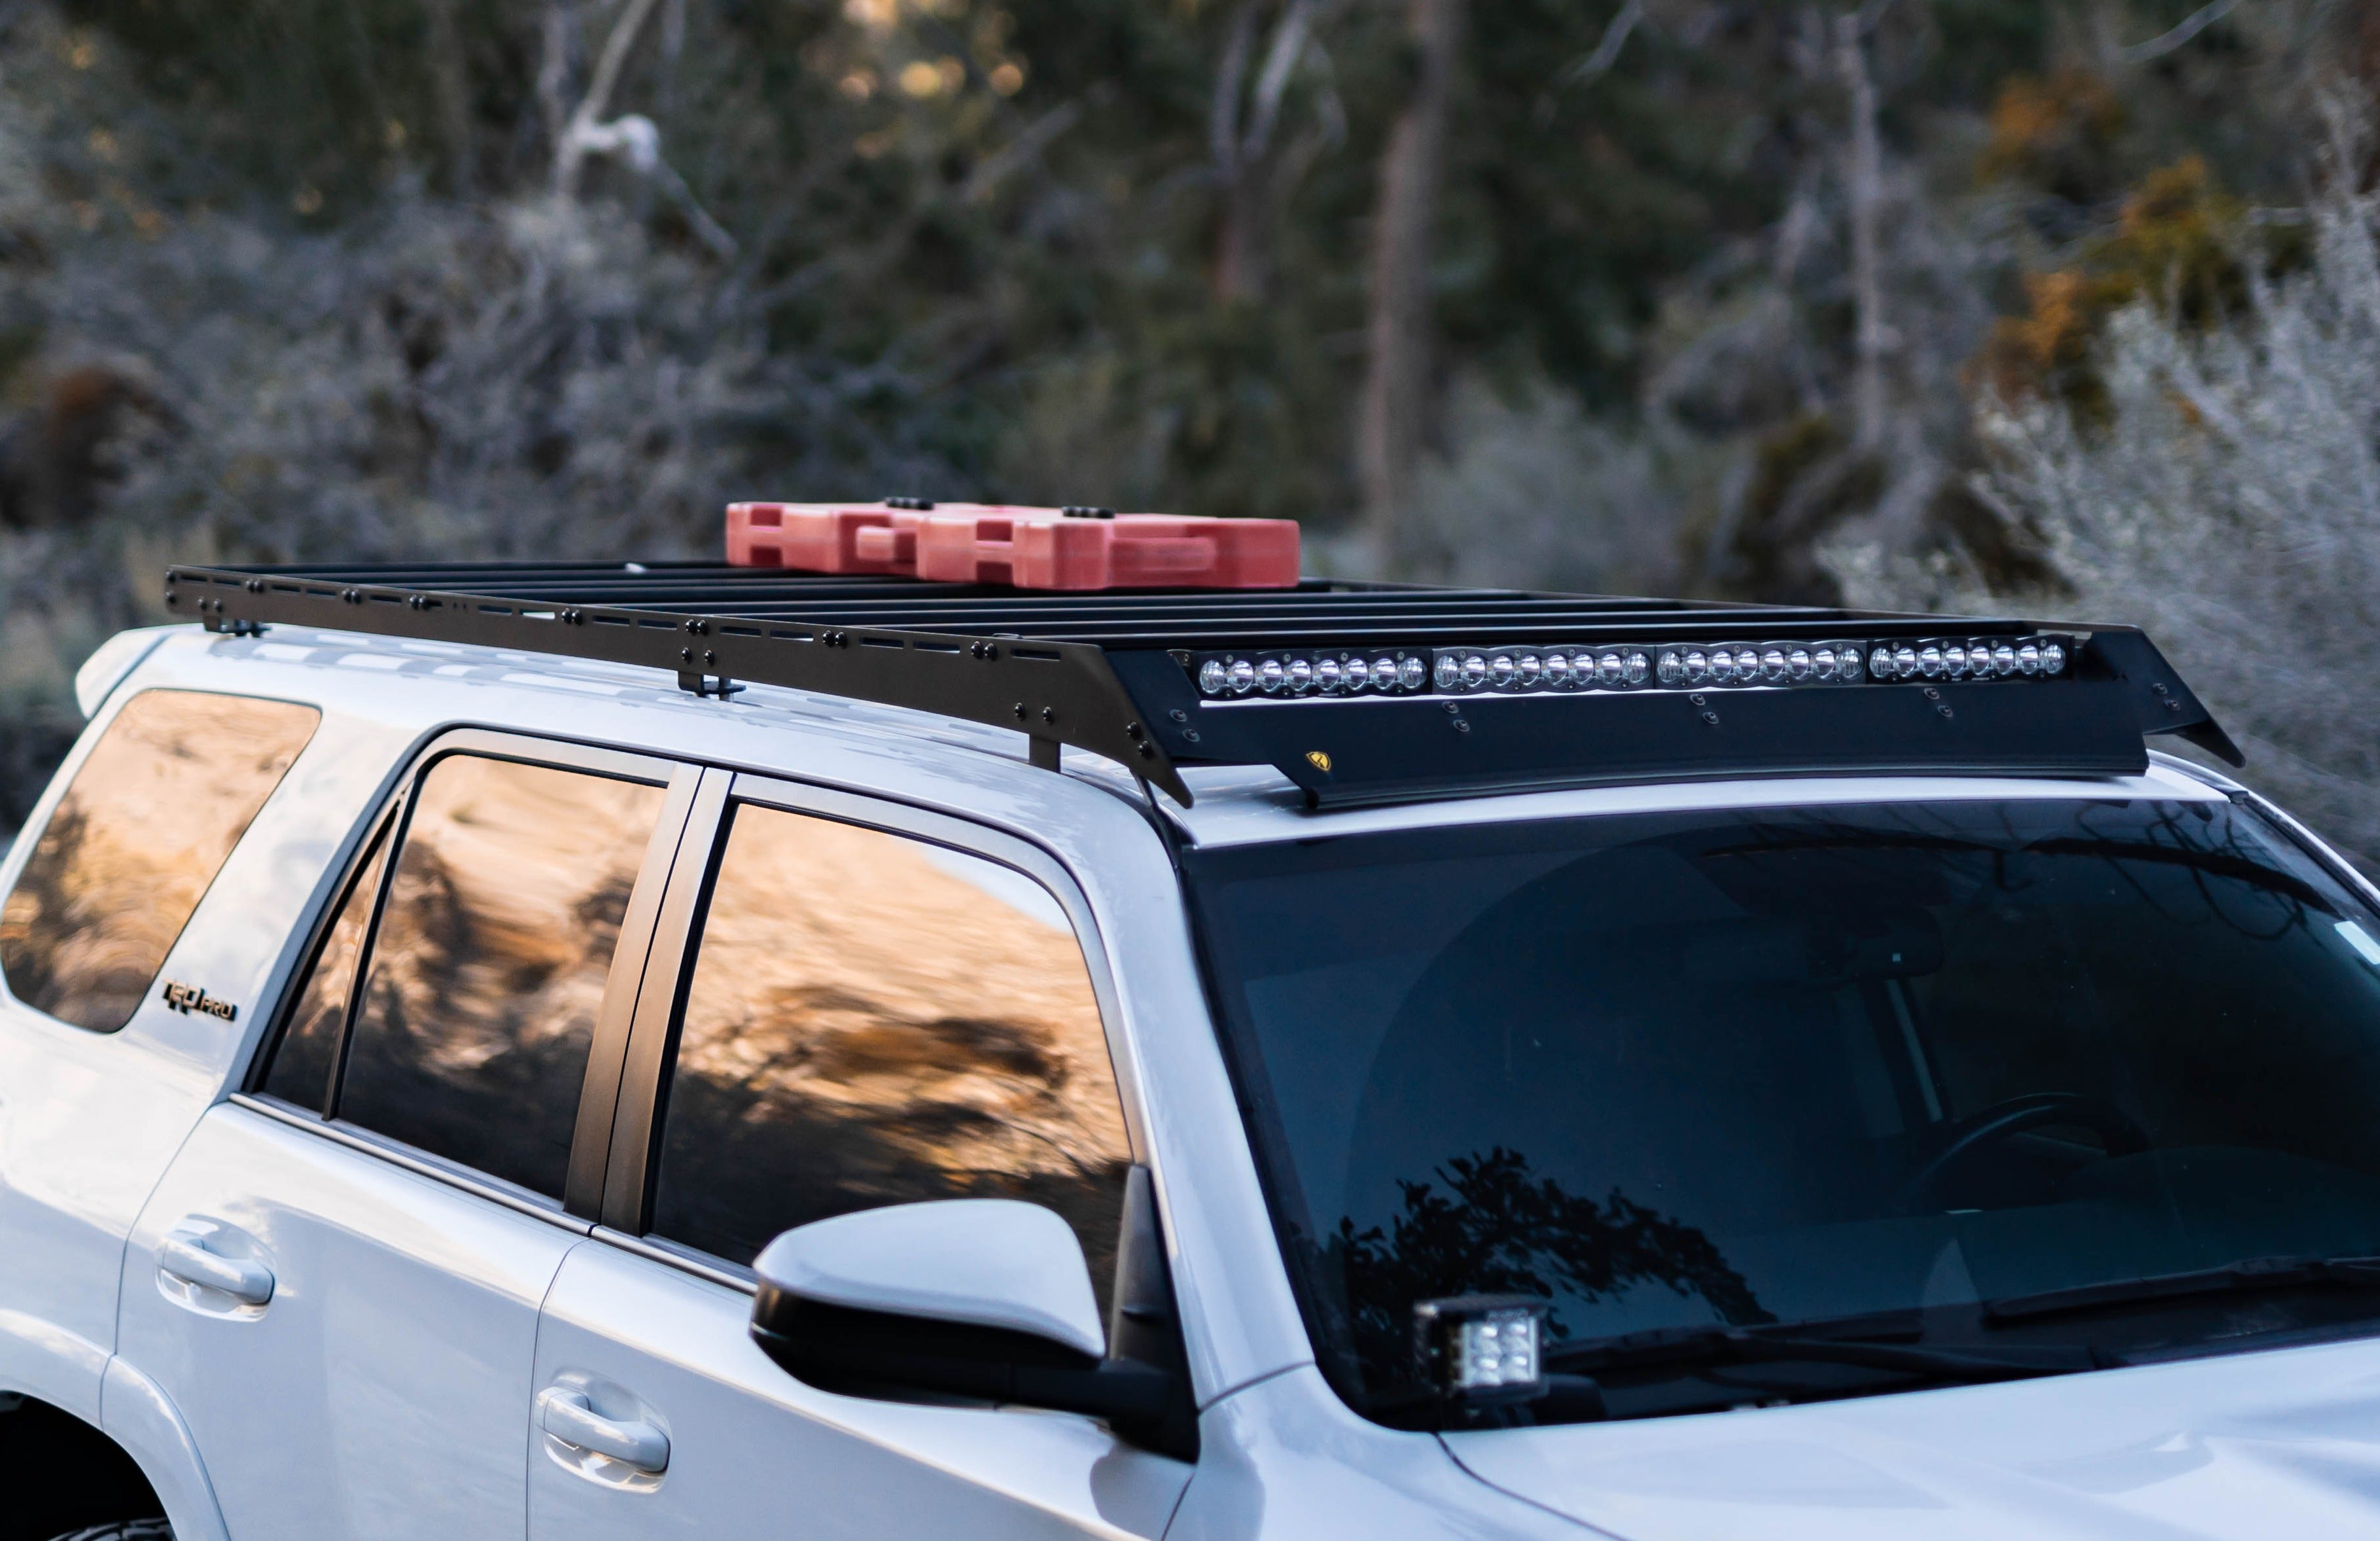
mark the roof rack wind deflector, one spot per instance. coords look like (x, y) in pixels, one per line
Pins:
(1358, 693)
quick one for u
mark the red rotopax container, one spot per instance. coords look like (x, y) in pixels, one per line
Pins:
(1028, 548)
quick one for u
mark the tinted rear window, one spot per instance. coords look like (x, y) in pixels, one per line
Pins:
(166, 793)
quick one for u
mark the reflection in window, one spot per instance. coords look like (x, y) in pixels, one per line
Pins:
(873, 1020)
(166, 793)
(487, 968)
(300, 1072)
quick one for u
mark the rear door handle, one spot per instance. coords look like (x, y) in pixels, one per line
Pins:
(565, 1413)
(183, 1257)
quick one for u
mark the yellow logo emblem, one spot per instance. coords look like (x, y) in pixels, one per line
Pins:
(1320, 760)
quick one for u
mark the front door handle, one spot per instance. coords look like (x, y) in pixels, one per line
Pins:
(183, 1257)
(565, 1413)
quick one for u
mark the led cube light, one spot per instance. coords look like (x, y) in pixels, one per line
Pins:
(1481, 1347)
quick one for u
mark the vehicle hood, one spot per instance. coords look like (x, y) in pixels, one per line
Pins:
(2277, 1443)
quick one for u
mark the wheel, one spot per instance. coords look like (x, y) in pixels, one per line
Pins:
(124, 1530)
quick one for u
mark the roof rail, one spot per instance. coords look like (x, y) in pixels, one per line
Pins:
(1358, 692)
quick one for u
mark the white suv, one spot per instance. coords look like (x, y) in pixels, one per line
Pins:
(459, 1080)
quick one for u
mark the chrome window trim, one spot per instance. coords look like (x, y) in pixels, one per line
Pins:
(421, 1163)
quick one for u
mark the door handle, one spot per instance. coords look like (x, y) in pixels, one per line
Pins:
(182, 1256)
(565, 1413)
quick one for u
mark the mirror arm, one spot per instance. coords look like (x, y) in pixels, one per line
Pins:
(1145, 1329)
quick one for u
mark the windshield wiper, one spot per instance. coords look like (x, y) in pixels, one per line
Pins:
(1673, 1348)
(2252, 1273)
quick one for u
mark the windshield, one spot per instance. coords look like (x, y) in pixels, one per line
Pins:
(1881, 1063)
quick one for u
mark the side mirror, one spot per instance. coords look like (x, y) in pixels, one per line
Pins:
(984, 1298)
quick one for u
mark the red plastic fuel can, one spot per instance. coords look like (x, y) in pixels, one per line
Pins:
(1078, 549)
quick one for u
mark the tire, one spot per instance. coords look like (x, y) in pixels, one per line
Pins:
(124, 1530)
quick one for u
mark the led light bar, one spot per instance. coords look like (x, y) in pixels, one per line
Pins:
(1973, 657)
(1559, 668)
(1312, 672)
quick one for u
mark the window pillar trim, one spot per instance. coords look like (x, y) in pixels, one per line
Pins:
(645, 1046)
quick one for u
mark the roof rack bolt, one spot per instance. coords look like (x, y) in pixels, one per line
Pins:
(1049, 714)
(913, 505)
(1020, 712)
(256, 586)
(699, 628)
(1085, 511)
(709, 656)
(1134, 731)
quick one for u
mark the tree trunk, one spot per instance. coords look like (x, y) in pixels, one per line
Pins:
(1865, 176)
(450, 75)
(1392, 414)
(1248, 173)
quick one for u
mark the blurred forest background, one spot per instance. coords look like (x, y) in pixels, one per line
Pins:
(2071, 307)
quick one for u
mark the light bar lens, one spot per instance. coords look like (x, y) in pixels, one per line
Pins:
(1290, 673)
(1980, 657)
(1508, 669)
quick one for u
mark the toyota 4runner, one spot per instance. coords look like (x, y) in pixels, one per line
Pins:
(574, 1052)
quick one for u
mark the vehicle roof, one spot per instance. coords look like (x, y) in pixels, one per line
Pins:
(1236, 804)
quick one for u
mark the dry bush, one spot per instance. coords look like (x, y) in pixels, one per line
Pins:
(2229, 502)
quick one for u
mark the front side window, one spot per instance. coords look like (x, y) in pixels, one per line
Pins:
(484, 975)
(1955, 1076)
(120, 868)
(876, 1020)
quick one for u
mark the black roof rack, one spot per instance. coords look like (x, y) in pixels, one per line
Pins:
(1357, 692)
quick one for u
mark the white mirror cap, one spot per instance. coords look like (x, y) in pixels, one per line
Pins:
(113, 659)
(988, 1262)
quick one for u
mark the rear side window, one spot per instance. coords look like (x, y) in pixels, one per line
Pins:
(875, 1020)
(164, 795)
(486, 971)
(302, 1063)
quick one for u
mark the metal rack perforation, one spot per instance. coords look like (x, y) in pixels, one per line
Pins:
(1110, 672)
